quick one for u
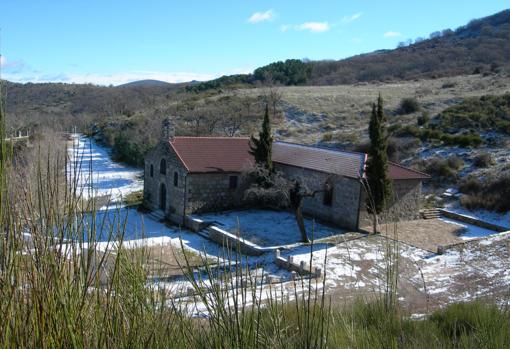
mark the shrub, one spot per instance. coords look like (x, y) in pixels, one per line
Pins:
(475, 323)
(441, 169)
(483, 160)
(398, 148)
(486, 112)
(470, 185)
(327, 137)
(394, 129)
(449, 84)
(427, 134)
(455, 162)
(493, 193)
(408, 105)
(423, 119)
(470, 140)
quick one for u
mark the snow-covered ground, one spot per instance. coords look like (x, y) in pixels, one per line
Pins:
(501, 219)
(470, 231)
(353, 268)
(268, 228)
(138, 229)
(94, 173)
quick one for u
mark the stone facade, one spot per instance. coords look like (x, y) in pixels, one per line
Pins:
(208, 192)
(186, 193)
(405, 204)
(342, 209)
(341, 200)
(169, 183)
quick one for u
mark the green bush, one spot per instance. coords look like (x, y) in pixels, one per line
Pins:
(423, 119)
(129, 152)
(480, 113)
(483, 160)
(327, 137)
(492, 193)
(470, 185)
(394, 129)
(408, 106)
(428, 134)
(290, 72)
(455, 162)
(442, 170)
(475, 325)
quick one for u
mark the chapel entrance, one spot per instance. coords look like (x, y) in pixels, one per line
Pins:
(162, 197)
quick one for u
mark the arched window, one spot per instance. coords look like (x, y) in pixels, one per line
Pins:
(151, 171)
(176, 179)
(162, 167)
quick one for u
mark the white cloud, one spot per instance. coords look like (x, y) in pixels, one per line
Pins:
(261, 16)
(109, 79)
(351, 18)
(3, 61)
(391, 34)
(315, 27)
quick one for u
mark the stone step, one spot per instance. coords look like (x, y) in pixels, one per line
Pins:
(204, 233)
(157, 215)
(431, 213)
(432, 217)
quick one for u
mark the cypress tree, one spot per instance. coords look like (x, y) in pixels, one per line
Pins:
(261, 148)
(377, 166)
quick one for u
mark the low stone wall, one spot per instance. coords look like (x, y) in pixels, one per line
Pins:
(441, 249)
(225, 238)
(195, 224)
(473, 221)
(302, 268)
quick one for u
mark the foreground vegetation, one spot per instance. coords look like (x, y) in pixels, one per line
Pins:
(57, 289)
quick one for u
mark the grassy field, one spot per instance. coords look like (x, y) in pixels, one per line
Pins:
(345, 109)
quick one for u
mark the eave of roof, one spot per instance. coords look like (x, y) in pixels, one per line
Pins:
(231, 155)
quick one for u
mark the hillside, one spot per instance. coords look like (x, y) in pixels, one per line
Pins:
(146, 83)
(481, 46)
(59, 106)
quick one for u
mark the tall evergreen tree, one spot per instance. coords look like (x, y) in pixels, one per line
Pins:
(378, 180)
(261, 148)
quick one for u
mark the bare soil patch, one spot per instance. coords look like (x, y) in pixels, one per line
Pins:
(426, 234)
(167, 261)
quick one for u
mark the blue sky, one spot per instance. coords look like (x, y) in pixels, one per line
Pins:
(113, 42)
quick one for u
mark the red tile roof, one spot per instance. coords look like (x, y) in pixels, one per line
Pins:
(213, 154)
(320, 159)
(231, 154)
(396, 171)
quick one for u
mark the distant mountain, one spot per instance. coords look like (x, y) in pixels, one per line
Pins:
(147, 83)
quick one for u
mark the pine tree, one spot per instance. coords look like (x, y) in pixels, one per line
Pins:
(261, 148)
(378, 180)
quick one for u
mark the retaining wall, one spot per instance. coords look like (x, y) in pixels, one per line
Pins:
(225, 238)
(302, 268)
(473, 221)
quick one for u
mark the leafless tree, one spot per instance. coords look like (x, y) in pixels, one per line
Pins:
(273, 190)
(273, 97)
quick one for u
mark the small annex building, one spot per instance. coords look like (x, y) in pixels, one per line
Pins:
(186, 175)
